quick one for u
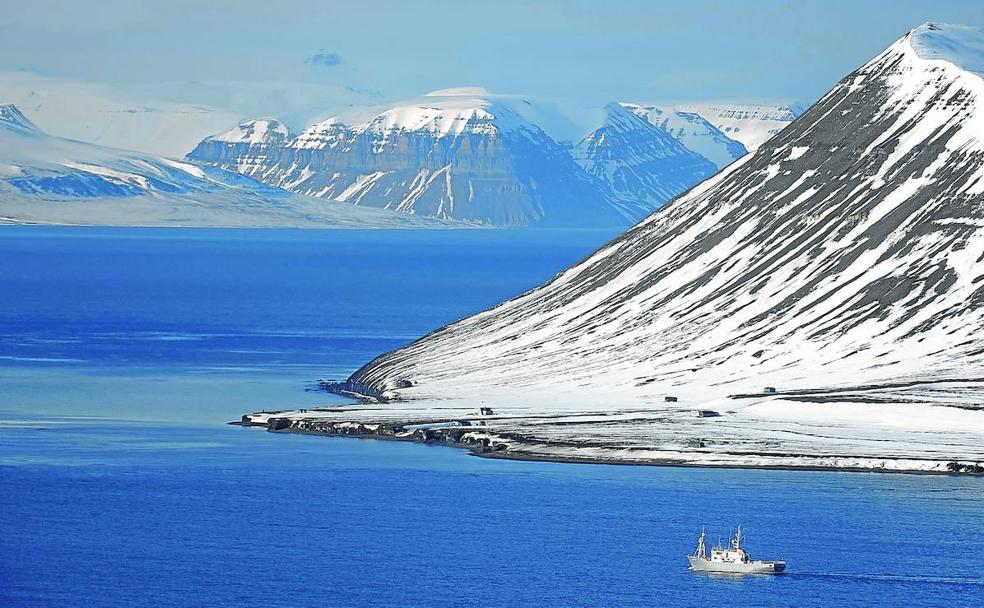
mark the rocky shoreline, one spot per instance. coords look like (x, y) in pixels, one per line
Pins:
(482, 441)
(460, 436)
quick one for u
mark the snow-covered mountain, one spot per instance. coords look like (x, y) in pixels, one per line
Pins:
(842, 263)
(108, 116)
(45, 179)
(642, 163)
(449, 155)
(750, 124)
(693, 131)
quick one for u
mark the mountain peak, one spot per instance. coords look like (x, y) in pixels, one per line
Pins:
(618, 115)
(643, 164)
(256, 131)
(693, 131)
(960, 45)
(12, 118)
(447, 115)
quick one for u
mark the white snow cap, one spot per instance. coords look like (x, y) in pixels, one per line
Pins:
(460, 92)
(442, 118)
(446, 112)
(958, 44)
(256, 131)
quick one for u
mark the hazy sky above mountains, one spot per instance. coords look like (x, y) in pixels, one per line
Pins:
(247, 53)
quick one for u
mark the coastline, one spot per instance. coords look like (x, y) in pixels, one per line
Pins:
(505, 446)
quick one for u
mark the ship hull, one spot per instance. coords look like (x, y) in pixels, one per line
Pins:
(698, 564)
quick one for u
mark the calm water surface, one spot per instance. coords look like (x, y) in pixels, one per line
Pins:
(123, 352)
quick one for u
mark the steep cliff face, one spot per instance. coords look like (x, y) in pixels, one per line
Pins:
(842, 262)
(246, 148)
(643, 163)
(450, 157)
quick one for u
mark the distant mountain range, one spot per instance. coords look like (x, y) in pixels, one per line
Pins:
(461, 155)
(50, 180)
(454, 157)
(465, 154)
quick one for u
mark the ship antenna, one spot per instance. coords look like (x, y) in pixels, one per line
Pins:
(700, 551)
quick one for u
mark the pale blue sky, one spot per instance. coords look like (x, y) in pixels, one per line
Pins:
(573, 51)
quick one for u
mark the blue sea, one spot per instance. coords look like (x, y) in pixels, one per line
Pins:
(123, 353)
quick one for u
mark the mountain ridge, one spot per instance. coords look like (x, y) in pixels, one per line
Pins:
(464, 153)
(455, 157)
(643, 163)
(693, 131)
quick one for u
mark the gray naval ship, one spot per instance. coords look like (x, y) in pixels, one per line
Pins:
(730, 560)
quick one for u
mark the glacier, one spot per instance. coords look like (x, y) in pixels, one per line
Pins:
(818, 303)
(109, 116)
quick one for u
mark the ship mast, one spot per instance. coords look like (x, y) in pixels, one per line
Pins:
(736, 542)
(701, 551)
